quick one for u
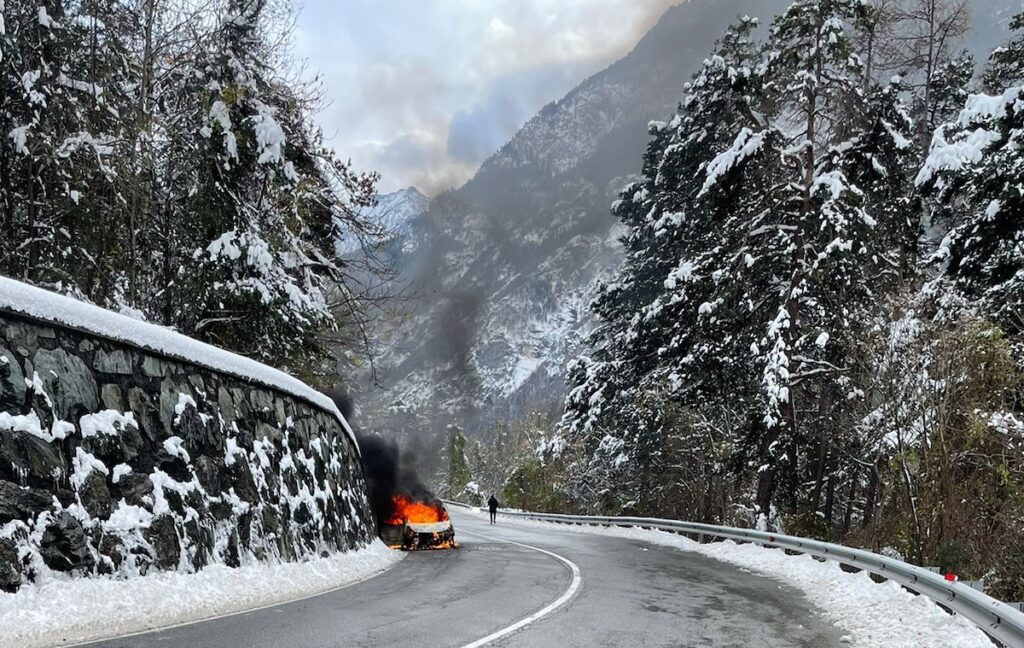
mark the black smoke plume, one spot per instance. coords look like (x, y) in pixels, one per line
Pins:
(388, 471)
(388, 474)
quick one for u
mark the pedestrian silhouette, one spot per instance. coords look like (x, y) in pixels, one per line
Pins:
(492, 506)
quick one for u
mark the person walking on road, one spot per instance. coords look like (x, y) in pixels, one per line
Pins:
(492, 506)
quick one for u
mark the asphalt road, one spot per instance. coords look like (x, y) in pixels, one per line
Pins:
(629, 594)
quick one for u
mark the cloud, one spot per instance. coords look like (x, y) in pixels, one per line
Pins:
(476, 132)
(418, 158)
(424, 92)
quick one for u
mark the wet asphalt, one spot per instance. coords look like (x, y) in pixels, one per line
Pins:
(632, 594)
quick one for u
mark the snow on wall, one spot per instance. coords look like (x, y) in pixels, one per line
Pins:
(20, 298)
(126, 449)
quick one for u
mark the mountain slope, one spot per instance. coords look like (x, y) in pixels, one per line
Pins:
(395, 211)
(506, 265)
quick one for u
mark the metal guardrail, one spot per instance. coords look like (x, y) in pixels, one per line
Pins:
(1000, 620)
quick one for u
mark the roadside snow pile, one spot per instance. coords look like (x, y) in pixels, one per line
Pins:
(63, 610)
(40, 304)
(873, 615)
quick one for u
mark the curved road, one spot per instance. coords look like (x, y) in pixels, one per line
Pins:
(630, 594)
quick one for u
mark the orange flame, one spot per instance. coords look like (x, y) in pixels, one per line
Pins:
(406, 510)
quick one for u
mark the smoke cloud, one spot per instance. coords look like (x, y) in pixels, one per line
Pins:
(389, 472)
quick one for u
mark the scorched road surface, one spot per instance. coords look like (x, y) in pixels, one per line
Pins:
(631, 594)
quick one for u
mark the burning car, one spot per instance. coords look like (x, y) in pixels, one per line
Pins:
(416, 525)
(409, 515)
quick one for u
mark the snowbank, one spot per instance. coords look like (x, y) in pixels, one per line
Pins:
(65, 610)
(40, 304)
(872, 615)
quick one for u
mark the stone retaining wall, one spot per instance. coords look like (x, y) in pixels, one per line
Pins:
(116, 460)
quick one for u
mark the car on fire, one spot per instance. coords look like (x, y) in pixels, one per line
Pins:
(418, 525)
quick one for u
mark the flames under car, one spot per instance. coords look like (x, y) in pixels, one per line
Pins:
(418, 525)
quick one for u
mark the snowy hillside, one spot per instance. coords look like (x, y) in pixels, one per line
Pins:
(506, 266)
(394, 211)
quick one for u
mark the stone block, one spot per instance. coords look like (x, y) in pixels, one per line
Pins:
(110, 396)
(18, 503)
(10, 567)
(135, 488)
(202, 436)
(208, 472)
(171, 390)
(262, 402)
(162, 534)
(226, 405)
(28, 459)
(95, 496)
(64, 547)
(12, 380)
(117, 362)
(68, 382)
(147, 413)
(155, 367)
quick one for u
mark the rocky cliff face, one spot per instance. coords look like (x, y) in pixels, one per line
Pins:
(115, 460)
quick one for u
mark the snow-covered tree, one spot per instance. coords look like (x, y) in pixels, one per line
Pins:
(950, 88)
(773, 213)
(922, 41)
(1006, 65)
(153, 159)
(65, 75)
(974, 169)
(650, 313)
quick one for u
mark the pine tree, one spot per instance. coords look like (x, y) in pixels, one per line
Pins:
(1006, 65)
(773, 212)
(98, 72)
(649, 314)
(65, 74)
(153, 161)
(974, 168)
(921, 46)
(950, 89)
(256, 241)
(458, 472)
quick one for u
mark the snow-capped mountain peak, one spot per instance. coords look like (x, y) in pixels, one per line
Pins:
(394, 211)
(393, 214)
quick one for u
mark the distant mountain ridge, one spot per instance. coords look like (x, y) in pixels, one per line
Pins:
(394, 213)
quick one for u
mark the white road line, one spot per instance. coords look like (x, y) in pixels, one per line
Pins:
(566, 596)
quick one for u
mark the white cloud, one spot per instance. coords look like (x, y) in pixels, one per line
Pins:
(398, 74)
(500, 32)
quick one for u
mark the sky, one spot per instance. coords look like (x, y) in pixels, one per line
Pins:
(423, 91)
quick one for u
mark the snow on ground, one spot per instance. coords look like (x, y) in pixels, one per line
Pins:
(872, 615)
(44, 305)
(66, 611)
